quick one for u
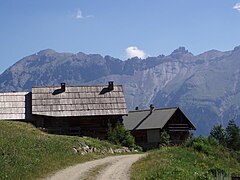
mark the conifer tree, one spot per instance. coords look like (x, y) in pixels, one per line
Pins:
(233, 136)
(218, 133)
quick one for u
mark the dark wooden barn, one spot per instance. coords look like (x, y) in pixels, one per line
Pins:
(78, 110)
(146, 125)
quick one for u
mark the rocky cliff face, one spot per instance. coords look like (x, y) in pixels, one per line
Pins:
(206, 87)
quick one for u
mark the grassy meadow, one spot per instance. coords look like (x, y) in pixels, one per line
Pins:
(27, 153)
(209, 162)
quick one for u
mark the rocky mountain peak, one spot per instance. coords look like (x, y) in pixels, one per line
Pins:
(180, 50)
(181, 53)
(236, 49)
(46, 52)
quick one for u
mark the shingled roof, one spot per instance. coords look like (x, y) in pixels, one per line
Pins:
(149, 119)
(96, 100)
(15, 105)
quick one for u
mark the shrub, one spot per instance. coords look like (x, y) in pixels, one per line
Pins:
(200, 144)
(165, 138)
(201, 147)
(120, 136)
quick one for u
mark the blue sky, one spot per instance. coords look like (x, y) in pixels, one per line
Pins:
(118, 28)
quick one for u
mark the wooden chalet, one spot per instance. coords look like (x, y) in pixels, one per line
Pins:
(15, 106)
(146, 125)
(78, 110)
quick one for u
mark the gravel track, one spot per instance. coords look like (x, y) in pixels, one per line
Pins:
(117, 169)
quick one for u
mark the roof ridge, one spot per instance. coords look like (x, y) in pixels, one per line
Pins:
(99, 85)
(163, 108)
(15, 92)
(173, 107)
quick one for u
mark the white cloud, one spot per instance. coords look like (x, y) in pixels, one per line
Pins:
(79, 15)
(133, 51)
(237, 6)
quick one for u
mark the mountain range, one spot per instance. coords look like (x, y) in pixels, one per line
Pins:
(206, 86)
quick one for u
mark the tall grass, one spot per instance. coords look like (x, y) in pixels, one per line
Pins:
(27, 153)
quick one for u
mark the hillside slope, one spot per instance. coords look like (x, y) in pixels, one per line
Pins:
(206, 86)
(187, 163)
(27, 153)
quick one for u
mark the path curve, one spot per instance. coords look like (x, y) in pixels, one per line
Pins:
(117, 168)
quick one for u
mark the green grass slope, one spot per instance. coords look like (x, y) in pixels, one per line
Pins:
(214, 162)
(27, 153)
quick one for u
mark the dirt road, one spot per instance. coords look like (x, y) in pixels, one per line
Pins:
(109, 168)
